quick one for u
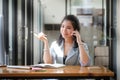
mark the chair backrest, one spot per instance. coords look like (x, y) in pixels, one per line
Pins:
(101, 57)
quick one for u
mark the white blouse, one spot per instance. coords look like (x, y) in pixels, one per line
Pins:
(73, 58)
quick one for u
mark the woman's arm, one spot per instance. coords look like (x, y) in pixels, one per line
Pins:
(46, 56)
(84, 58)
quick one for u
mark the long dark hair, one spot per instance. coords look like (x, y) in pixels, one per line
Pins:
(75, 23)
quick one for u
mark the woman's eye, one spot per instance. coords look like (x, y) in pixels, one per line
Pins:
(62, 26)
(68, 28)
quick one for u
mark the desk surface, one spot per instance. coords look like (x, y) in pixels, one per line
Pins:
(67, 71)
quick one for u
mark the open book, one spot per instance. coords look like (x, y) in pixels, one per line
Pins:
(48, 65)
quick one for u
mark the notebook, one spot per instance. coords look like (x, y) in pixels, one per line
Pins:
(18, 67)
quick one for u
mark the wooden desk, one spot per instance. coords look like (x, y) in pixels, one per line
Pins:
(64, 72)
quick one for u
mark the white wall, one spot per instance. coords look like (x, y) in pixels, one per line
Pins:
(0, 6)
(118, 40)
(54, 11)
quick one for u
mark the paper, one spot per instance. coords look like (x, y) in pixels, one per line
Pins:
(48, 65)
(19, 67)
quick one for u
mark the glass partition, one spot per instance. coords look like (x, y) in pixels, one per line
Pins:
(30, 14)
(92, 17)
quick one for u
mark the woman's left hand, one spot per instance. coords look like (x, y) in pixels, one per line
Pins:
(42, 36)
(78, 37)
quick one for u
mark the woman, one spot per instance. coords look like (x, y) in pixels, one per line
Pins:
(69, 49)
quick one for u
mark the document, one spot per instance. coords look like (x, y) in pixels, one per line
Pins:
(24, 68)
(18, 67)
(48, 65)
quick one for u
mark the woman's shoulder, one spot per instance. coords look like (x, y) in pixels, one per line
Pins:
(54, 43)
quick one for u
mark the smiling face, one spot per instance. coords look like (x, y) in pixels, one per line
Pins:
(66, 29)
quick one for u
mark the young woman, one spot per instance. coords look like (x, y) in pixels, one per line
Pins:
(69, 49)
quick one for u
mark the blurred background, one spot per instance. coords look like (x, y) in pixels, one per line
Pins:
(19, 18)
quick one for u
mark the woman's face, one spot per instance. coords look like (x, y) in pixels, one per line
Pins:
(66, 29)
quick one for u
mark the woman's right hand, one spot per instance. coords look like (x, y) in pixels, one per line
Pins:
(42, 36)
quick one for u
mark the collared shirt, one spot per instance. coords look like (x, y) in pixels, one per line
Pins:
(73, 56)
